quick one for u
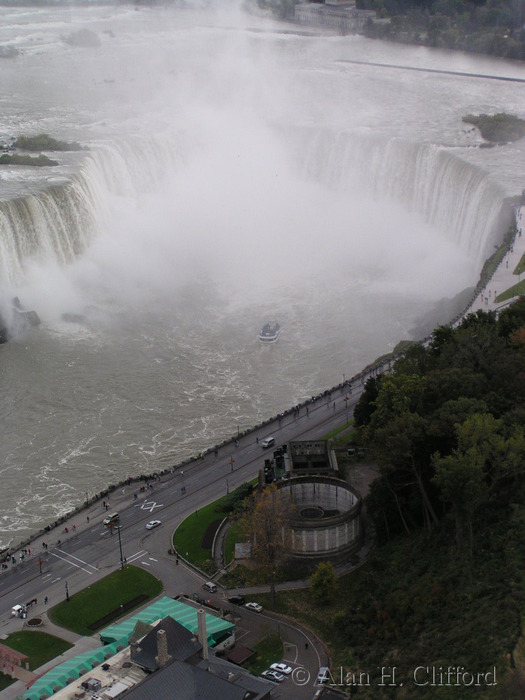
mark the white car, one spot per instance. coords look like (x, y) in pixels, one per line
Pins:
(281, 668)
(152, 524)
(272, 676)
(254, 606)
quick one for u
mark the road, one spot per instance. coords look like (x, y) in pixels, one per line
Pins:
(88, 551)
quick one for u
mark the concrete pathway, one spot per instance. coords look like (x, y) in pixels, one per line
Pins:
(504, 277)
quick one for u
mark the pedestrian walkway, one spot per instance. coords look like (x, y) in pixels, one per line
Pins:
(504, 277)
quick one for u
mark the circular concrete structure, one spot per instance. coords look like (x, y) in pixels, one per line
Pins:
(326, 521)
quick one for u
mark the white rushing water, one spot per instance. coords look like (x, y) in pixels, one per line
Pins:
(237, 172)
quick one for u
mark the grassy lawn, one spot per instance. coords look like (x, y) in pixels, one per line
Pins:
(520, 267)
(102, 598)
(191, 538)
(39, 647)
(232, 536)
(343, 434)
(515, 290)
(267, 651)
(188, 538)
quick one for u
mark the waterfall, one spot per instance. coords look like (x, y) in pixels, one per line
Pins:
(452, 195)
(59, 223)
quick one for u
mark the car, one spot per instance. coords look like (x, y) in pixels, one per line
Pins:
(152, 524)
(272, 676)
(254, 606)
(236, 600)
(323, 675)
(111, 519)
(210, 587)
(268, 442)
(281, 668)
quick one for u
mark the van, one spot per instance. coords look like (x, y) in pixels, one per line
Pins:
(210, 587)
(110, 520)
(268, 442)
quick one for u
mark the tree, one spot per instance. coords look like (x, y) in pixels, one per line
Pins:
(323, 582)
(365, 407)
(266, 522)
(484, 462)
(461, 481)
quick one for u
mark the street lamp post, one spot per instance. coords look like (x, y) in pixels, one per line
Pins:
(120, 547)
(67, 593)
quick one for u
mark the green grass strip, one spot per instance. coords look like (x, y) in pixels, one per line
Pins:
(188, 537)
(103, 597)
(516, 290)
(39, 647)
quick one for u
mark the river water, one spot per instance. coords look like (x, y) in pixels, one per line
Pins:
(238, 171)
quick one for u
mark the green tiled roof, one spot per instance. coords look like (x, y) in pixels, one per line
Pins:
(117, 636)
(184, 614)
(58, 676)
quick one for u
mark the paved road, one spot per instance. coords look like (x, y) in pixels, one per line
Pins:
(88, 551)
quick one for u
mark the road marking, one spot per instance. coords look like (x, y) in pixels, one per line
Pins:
(46, 576)
(242, 634)
(56, 579)
(80, 560)
(72, 563)
(145, 563)
(150, 505)
(137, 555)
(151, 559)
(289, 646)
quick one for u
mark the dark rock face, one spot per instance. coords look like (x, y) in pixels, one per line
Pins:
(3, 331)
(22, 320)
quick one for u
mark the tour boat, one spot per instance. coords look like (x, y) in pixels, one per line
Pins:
(270, 332)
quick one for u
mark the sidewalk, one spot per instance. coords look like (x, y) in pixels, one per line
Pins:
(503, 278)
(90, 516)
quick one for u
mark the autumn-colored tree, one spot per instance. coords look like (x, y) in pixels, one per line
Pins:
(266, 522)
(323, 582)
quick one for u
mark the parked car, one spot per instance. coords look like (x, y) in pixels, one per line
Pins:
(272, 676)
(323, 675)
(237, 600)
(152, 524)
(254, 606)
(281, 668)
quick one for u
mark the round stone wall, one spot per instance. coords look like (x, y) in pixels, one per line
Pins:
(326, 521)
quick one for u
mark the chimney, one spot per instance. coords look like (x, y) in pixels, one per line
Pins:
(162, 657)
(203, 635)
